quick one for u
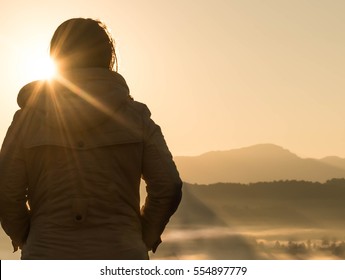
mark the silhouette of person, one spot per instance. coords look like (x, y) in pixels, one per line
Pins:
(74, 155)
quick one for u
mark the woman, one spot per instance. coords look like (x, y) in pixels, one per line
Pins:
(73, 157)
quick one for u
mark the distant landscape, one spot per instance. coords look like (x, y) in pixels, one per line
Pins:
(259, 202)
(266, 220)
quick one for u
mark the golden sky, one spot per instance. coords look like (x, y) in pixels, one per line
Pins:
(216, 74)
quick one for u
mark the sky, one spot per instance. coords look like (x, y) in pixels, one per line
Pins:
(216, 74)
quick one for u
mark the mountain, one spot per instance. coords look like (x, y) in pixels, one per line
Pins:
(334, 161)
(258, 163)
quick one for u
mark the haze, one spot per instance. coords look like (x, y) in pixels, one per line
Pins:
(217, 75)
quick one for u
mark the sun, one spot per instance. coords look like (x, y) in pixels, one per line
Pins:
(43, 67)
(46, 68)
(38, 66)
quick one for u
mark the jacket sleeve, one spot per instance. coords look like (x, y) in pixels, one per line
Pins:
(163, 186)
(14, 213)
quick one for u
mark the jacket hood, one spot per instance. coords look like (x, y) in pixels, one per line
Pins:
(79, 99)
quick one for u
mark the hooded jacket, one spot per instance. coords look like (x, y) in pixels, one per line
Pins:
(70, 170)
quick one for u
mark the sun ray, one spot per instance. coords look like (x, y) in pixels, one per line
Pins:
(87, 97)
(57, 110)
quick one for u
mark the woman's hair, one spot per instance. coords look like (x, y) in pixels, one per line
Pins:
(80, 43)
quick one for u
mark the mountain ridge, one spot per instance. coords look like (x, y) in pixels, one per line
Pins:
(261, 162)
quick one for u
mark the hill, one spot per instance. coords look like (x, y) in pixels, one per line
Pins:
(334, 161)
(263, 162)
(269, 204)
(267, 220)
